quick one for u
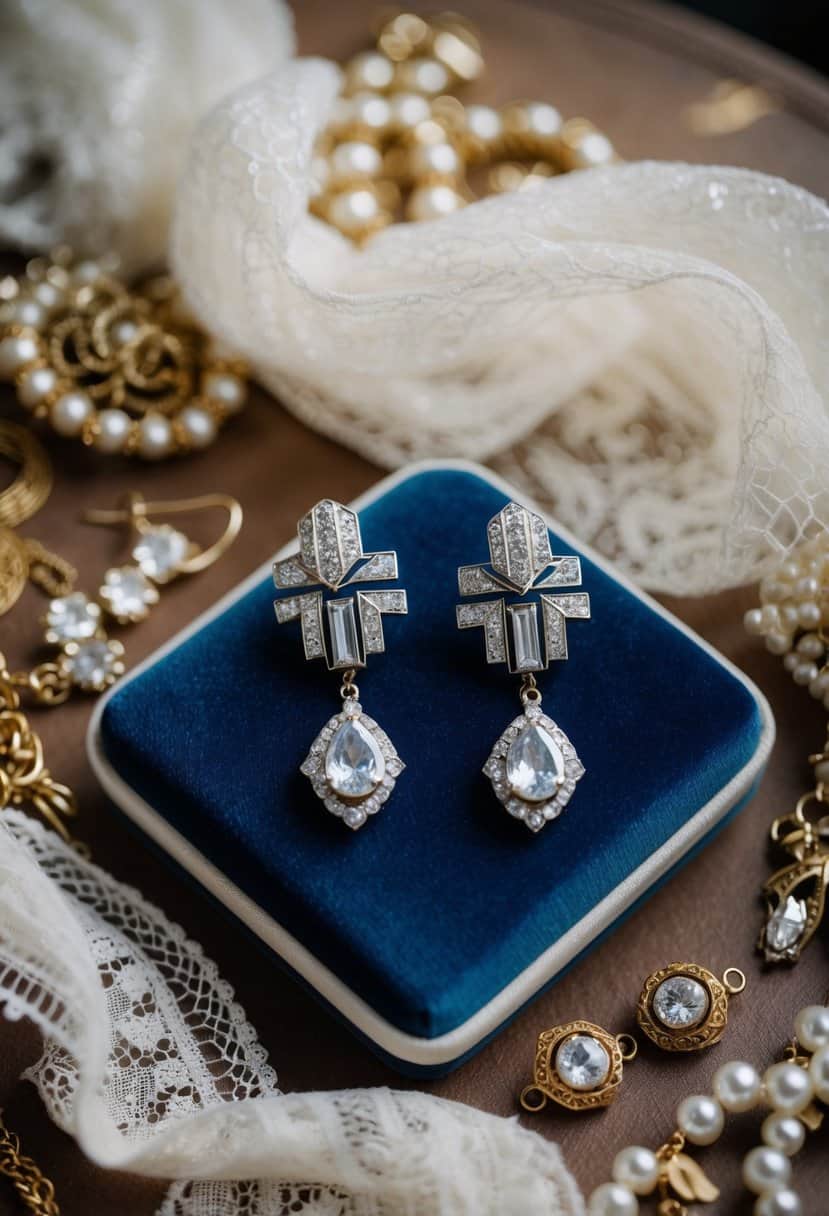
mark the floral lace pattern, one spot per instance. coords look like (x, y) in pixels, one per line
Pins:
(639, 346)
(150, 1063)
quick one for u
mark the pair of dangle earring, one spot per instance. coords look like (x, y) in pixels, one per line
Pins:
(87, 657)
(352, 764)
(533, 766)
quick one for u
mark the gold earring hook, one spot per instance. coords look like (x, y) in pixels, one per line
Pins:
(138, 512)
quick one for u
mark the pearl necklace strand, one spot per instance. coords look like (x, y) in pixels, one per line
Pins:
(789, 1088)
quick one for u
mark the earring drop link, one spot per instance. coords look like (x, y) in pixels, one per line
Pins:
(139, 512)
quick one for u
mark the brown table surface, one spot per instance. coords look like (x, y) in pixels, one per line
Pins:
(633, 68)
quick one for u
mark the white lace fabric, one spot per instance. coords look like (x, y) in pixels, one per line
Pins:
(643, 347)
(150, 1063)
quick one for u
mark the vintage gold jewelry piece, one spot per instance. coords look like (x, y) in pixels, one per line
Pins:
(35, 1191)
(400, 145)
(578, 1065)
(122, 368)
(684, 1007)
(794, 621)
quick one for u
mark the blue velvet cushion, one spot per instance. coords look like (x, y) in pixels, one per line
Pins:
(442, 899)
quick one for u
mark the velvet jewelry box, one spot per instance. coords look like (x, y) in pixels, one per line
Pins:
(433, 924)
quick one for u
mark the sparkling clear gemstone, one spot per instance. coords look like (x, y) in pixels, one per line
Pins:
(535, 765)
(786, 924)
(345, 650)
(525, 638)
(354, 764)
(160, 551)
(582, 1062)
(680, 1002)
(73, 617)
(128, 592)
(92, 665)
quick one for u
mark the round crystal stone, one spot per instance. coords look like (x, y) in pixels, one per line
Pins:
(354, 764)
(160, 551)
(92, 664)
(73, 617)
(680, 1002)
(128, 592)
(535, 765)
(582, 1062)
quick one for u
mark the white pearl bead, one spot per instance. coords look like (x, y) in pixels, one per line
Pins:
(788, 1087)
(408, 110)
(16, 353)
(611, 1199)
(784, 1202)
(434, 160)
(225, 388)
(772, 591)
(27, 312)
(789, 570)
(484, 123)
(822, 770)
(819, 1073)
(433, 202)
(198, 425)
(86, 272)
(700, 1118)
(791, 660)
(155, 436)
(542, 119)
(354, 160)
(753, 622)
(811, 1026)
(771, 616)
(70, 412)
(804, 673)
(766, 1169)
(807, 588)
(112, 430)
(808, 614)
(422, 76)
(371, 71)
(369, 110)
(593, 149)
(819, 686)
(353, 211)
(784, 1132)
(48, 295)
(778, 643)
(737, 1086)
(637, 1169)
(36, 384)
(789, 616)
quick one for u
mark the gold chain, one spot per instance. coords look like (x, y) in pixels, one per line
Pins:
(33, 484)
(36, 1192)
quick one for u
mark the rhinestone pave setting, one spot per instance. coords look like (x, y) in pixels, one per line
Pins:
(534, 768)
(352, 765)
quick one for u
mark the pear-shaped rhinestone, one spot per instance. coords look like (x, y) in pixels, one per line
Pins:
(354, 764)
(535, 765)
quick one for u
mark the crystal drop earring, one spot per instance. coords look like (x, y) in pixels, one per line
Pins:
(352, 764)
(533, 766)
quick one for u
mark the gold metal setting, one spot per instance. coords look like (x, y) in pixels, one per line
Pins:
(549, 1085)
(710, 1027)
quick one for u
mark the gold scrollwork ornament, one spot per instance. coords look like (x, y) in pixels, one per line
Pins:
(577, 1065)
(795, 895)
(684, 1007)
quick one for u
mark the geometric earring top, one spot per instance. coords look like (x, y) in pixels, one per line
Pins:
(331, 555)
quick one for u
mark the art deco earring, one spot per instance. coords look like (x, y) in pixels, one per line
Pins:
(579, 1066)
(352, 764)
(533, 766)
(684, 1007)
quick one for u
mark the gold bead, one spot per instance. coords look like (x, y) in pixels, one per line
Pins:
(422, 75)
(371, 71)
(356, 213)
(531, 128)
(353, 161)
(402, 36)
(456, 45)
(583, 146)
(434, 162)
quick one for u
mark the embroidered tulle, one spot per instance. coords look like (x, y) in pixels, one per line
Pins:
(642, 347)
(145, 1046)
(98, 99)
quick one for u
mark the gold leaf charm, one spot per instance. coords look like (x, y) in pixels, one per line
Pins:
(690, 1181)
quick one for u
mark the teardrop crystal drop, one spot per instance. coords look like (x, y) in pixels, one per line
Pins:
(354, 764)
(535, 765)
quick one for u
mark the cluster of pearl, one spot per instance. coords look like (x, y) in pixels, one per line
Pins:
(794, 614)
(32, 306)
(398, 142)
(788, 1088)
